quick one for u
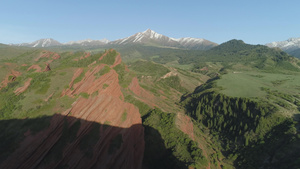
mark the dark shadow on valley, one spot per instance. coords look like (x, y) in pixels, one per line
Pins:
(279, 149)
(207, 85)
(297, 118)
(67, 142)
(156, 155)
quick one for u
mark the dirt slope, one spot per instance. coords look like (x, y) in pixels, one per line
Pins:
(185, 124)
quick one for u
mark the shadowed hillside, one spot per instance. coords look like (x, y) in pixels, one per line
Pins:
(67, 142)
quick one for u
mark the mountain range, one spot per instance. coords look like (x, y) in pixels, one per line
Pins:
(291, 46)
(51, 42)
(152, 38)
(148, 37)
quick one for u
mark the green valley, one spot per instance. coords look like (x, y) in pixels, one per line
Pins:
(234, 105)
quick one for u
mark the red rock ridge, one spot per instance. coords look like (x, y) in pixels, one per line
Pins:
(90, 84)
(9, 78)
(143, 95)
(47, 54)
(106, 107)
(83, 57)
(34, 149)
(118, 60)
(86, 56)
(23, 88)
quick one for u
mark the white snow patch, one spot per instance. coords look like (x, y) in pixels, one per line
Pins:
(35, 45)
(46, 42)
(188, 39)
(174, 39)
(138, 37)
(290, 43)
(152, 34)
(122, 41)
(86, 41)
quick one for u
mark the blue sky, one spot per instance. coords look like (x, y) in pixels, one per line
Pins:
(255, 22)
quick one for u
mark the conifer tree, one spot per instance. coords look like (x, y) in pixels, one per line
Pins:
(244, 106)
(230, 111)
(246, 141)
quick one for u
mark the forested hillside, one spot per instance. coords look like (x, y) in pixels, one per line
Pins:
(253, 133)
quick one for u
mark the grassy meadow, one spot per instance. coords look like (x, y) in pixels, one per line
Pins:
(250, 84)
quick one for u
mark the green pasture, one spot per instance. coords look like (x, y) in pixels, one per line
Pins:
(250, 84)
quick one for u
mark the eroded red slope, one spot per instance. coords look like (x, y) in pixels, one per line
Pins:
(23, 88)
(9, 78)
(121, 135)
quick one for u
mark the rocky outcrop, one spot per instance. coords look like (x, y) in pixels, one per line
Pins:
(47, 68)
(23, 88)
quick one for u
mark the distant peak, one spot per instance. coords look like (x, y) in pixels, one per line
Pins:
(232, 45)
(152, 34)
(289, 44)
(45, 39)
(235, 41)
(293, 39)
(148, 30)
(44, 43)
(105, 40)
(87, 41)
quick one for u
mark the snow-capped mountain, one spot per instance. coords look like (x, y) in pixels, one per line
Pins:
(288, 45)
(146, 37)
(150, 37)
(291, 46)
(41, 43)
(88, 42)
(195, 43)
(51, 42)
